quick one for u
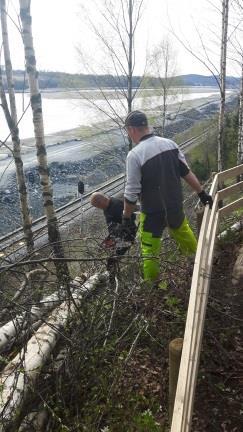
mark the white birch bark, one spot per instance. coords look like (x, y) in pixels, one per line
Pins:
(130, 64)
(21, 373)
(11, 119)
(36, 104)
(225, 13)
(30, 279)
(16, 327)
(240, 130)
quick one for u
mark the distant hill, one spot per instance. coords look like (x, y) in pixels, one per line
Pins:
(55, 80)
(201, 80)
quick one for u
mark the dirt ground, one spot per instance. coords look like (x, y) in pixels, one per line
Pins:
(123, 386)
(219, 395)
(119, 382)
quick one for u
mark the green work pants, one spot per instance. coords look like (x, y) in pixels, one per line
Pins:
(150, 246)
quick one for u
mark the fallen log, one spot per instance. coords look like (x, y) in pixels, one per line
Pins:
(29, 280)
(16, 326)
(21, 373)
(238, 226)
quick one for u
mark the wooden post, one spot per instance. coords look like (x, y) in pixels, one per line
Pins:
(175, 350)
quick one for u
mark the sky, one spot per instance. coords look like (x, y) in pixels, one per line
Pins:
(59, 27)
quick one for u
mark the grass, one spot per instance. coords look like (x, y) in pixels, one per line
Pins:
(195, 130)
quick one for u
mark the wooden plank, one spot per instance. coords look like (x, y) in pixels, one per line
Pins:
(230, 173)
(184, 368)
(183, 384)
(183, 408)
(199, 312)
(238, 187)
(201, 320)
(214, 186)
(235, 205)
(180, 420)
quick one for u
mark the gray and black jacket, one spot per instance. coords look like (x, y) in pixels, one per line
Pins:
(154, 169)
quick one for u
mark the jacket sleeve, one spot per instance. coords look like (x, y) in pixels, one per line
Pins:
(183, 165)
(133, 178)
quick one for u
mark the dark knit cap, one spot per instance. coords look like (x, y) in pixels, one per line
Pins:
(136, 119)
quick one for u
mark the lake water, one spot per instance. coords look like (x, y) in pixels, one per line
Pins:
(68, 113)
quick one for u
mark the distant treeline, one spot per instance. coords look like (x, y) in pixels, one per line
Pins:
(55, 80)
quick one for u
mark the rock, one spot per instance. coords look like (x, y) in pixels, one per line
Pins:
(237, 274)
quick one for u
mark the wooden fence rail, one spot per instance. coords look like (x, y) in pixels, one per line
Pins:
(184, 400)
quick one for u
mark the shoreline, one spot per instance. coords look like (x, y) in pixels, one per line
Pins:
(87, 132)
(96, 158)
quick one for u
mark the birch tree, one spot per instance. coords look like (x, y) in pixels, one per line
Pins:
(162, 65)
(218, 72)
(240, 131)
(36, 105)
(224, 35)
(12, 121)
(117, 41)
(235, 54)
(238, 50)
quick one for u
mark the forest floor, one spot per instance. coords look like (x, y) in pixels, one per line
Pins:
(139, 399)
(120, 382)
(114, 372)
(219, 394)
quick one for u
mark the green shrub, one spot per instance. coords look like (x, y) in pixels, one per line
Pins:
(145, 422)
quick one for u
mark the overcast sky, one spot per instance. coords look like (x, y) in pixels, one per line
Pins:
(58, 28)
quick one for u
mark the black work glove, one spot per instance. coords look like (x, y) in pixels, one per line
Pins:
(205, 198)
(128, 229)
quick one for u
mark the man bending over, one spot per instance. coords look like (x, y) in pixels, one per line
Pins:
(113, 208)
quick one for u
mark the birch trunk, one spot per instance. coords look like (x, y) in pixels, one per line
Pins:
(240, 131)
(21, 373)
(164, 86)
(164, 113)
(17, 326)
(225, 13)
(36, 104)
(130, 65)
(30, 279)
(11, 118)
